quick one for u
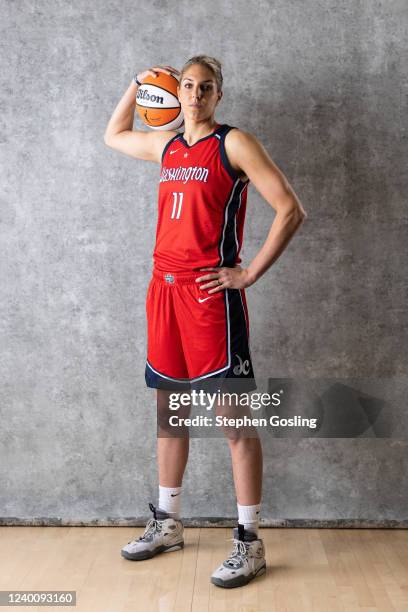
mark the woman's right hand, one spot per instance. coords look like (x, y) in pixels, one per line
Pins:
(155, 71)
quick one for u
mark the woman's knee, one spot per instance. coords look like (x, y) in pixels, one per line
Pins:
(164, 413)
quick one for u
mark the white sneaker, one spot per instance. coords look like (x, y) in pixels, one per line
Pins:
(246, 561)
(162, 534)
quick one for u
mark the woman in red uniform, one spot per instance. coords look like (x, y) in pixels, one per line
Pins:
(197, 318)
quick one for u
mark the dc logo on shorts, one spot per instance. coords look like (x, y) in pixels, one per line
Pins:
(169, 278)
(242, 367)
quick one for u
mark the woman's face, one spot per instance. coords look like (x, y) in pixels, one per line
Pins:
(197, 92)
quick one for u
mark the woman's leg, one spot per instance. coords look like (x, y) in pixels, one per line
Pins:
(172, 445)
(247, 559)
(246, 457)
(172, 454)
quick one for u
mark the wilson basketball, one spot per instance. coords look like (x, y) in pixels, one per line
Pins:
(157, 102)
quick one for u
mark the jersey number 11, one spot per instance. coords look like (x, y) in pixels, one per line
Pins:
(175, 213)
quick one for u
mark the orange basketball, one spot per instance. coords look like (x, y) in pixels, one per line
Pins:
(157, 102)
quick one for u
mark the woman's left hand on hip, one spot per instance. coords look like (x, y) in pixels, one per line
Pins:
(224, 278)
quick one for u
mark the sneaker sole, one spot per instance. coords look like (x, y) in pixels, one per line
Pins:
(148, 554)
(239, 581)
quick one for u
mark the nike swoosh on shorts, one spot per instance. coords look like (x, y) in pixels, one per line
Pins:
(203, 299)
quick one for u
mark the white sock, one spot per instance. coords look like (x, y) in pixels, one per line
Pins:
(248, 516)
(169, 500)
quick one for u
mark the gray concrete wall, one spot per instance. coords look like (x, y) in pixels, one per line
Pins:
(324, 86)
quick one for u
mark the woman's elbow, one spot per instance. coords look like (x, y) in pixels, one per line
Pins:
(301, 214)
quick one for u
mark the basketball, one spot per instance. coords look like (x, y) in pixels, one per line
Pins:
(157, 102)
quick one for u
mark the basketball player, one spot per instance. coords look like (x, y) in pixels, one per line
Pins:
(197, 318)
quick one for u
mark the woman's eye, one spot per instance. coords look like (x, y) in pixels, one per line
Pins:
(204, 87)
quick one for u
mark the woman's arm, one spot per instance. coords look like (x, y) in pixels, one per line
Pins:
(119, 134)
(248, 155)
(253, 159)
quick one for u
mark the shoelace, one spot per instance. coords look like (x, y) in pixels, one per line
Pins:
(240, 551)
(152, 526)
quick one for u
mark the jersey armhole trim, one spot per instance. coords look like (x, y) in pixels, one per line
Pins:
(224, 158)
(167, 146)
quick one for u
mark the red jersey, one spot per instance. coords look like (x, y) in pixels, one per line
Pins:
(202, 203)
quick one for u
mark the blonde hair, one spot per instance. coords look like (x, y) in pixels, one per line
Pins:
(209, 62)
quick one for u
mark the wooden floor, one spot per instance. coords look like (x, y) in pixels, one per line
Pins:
(307, 569)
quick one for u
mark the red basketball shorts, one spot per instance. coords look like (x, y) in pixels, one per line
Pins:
(194, 336)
